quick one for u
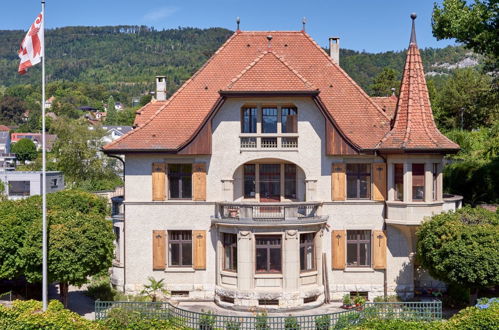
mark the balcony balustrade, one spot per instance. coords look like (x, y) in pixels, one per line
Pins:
(268, 213)
(269, 141)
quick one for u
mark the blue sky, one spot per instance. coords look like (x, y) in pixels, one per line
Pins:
(370, 25)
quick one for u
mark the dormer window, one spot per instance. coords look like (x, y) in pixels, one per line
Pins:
(269, 127)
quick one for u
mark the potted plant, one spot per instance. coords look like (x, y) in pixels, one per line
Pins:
(347, 301)
(359, 301)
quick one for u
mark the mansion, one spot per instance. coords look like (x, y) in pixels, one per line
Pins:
(270, 178)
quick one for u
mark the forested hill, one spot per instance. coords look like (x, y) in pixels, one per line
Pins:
(126, 58)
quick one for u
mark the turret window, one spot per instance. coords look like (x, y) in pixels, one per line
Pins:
(398, 179)
(418, 184)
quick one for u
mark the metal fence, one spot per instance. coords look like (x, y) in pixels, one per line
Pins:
(427, 311)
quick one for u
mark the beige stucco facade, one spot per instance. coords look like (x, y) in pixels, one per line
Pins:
(289, 288)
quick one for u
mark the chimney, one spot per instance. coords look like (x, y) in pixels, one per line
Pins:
(334, 49)
(161, 88)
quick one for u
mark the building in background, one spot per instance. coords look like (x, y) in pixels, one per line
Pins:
(36, 138)
(22, 184)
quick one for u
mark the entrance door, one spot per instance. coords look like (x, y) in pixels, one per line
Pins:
(270, 183)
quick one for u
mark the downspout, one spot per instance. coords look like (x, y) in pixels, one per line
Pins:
(385, 276)
(124, 222)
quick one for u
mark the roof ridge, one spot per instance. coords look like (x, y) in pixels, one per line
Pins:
(363, 93)
(176, 92)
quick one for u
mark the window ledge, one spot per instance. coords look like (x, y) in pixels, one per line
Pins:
(308, 273)
(227, 273)
(359, 270)
(179, 270)
(268, 275)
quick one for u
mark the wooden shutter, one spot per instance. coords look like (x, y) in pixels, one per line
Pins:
(158, 181)
(158, 249)
(338, 181)
(379, 181)
(338, 245)
(199, 247)
(379, 249)
(199, 182)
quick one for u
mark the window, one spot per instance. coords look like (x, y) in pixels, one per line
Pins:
(180, 248)
(358, 181)
(180, 180)
(290, 181)
(270, 182)
(248, 124)
(307, 252)
(249, 181)
(417, 182)
(269, 120)
(19, 188)
(116, 244)
(398, 178)
(268, 254)
(230, 252)
(435, 181)
(289, 120)
(358, 248)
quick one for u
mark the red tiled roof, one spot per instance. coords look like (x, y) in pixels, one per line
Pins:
(387, 103)
(169, 124)
(269, 73)
(4, 128)
(414, 127)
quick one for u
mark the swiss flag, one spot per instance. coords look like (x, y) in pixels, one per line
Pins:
(30, 52)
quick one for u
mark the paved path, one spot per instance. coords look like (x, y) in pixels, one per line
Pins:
(78, 301)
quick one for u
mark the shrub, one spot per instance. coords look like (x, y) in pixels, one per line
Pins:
(378, 324)
(322, 322)
(347, 301)
(291, 323)
(207, 321)
(457, 296)
(347, 320)
(475, 318)
(100, 289)
(232, 325)
(262, 321)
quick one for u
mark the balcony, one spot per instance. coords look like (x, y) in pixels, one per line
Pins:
(285, 141)
(254, 213)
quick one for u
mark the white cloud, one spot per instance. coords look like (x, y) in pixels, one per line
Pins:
(160, 13)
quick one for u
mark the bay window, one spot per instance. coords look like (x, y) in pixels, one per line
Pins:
(230, 252)
(268, 254)
(307, 261)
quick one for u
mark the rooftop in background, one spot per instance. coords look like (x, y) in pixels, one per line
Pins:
(4, 128)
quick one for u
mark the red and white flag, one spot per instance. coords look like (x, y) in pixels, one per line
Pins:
(31, 49)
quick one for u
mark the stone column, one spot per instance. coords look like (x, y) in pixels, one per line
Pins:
(407, 182)
(245, 266)
(291, 260)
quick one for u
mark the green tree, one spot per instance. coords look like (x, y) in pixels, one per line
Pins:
(126, 117)
(111, 113)
(461, 247)
(144, 99)
(78, 155)
(24, 149)
(384, 82)
(467, 96)
(474, 24)
(11, 110)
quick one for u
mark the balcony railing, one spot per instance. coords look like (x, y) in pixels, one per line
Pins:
(269, 141)
(286, 212)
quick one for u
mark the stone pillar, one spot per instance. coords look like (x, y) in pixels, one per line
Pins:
(291, 261)
(407, 182)
(245, 266)
(428, 182)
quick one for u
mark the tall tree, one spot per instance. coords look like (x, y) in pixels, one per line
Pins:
(78, 155)
(11, 110)
(474, 24)
(467, 98)
(111, 113)
(384, 82)
(24, 149)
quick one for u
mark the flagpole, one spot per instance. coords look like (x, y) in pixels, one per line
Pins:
(44, 179)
